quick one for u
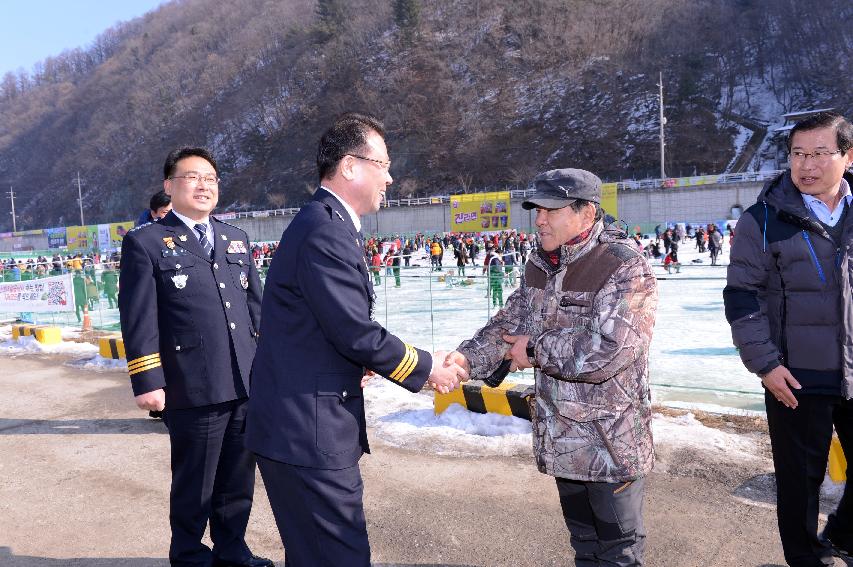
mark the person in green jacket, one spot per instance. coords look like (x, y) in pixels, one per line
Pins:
(79, 293)
(109, 278)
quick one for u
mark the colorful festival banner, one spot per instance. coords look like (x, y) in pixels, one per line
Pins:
(56, 237)
(117, 232)
(46, 294)
(609, 200)
(82, 238)
(104, 243)
(480, 212)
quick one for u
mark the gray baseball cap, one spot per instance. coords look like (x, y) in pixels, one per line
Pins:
(557, 188)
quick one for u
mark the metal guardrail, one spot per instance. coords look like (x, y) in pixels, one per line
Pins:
(628, 185)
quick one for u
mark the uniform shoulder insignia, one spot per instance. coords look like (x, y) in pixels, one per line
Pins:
(228, 223)
(140, 227)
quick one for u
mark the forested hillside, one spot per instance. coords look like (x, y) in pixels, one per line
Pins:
(477, 93)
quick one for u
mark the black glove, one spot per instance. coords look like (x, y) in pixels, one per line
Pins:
(495, 378)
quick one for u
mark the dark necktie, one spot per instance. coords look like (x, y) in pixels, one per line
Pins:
(201, 229)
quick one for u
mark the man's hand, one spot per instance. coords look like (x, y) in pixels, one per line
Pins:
(778, 381)
(445, 378)
(456, 357)
(368, 374)
(518, 351)
(152, 401)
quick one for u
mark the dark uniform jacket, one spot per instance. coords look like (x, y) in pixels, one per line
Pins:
(317, 339)
(789, 294)
(189, 323)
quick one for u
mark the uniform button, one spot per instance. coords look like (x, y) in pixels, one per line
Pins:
(215, 266)
(344, 394)
(177, 266)
(222, 285)
(178, 347)
(228, 304)
(240, 262)
(233, 326)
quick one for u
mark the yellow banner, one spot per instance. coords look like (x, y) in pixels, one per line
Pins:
(81, 238)
(608, 199)
(480, 212)
(117, 232)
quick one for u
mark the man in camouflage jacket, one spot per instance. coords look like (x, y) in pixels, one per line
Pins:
(583, 319)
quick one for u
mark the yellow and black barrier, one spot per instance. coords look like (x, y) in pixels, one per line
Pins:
(112, 347)
(42, 333)
(837, 461)
(506, 399)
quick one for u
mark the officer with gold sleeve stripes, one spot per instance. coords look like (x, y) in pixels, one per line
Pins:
(306, 420)
(190, 311)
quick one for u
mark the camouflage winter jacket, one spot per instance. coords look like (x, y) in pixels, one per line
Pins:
(590, 319)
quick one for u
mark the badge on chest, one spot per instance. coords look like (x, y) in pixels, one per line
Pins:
(236, 247)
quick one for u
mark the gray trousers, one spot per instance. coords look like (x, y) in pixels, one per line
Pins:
(605, 521)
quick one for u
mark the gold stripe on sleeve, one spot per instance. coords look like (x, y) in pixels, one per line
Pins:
(144, 367)
(407, 356)
(410, 361)
(143, 359)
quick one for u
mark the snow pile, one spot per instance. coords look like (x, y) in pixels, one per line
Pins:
(29, 345)
(403, 419)
(99, 363)
(686, 432)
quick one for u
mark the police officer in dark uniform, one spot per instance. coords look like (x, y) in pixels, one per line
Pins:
(306, 418)
(190, 311)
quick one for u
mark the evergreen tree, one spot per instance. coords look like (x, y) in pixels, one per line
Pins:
(407, 14)
(331, 17)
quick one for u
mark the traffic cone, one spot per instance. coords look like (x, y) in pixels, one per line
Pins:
(87, 321)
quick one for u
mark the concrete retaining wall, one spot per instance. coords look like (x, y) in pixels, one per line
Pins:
(639, 207)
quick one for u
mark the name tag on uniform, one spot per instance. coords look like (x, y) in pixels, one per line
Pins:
(236, 247)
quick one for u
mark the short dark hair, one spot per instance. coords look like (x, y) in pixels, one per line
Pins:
(348, 134)
(159, 200)
(187, 151)
(826, 119)
(578, 204)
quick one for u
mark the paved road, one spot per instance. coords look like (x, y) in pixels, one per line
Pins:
(84, 481)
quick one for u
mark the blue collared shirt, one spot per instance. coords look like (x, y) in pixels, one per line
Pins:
(191, 225)
(819, 209)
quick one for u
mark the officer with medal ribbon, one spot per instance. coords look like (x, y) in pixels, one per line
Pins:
(306, 416)
(190, 313)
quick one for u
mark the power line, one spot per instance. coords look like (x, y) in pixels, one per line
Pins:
(11, 194)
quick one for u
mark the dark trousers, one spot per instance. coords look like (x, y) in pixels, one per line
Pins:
(800, 441)
(319, 514)
(213, 478)
(605, 521)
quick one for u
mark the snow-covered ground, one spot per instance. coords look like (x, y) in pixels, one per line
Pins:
(692, 360)
(693, 364)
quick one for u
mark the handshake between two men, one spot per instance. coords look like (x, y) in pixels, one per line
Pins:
(449, 370)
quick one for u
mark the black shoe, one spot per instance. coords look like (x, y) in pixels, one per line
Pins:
(253, 561)
(155, 414)
(839, 538)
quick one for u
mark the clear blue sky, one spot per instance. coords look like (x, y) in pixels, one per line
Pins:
(32, 30)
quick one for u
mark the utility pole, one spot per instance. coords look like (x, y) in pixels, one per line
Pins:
(662, 122)
(80, 198)
(12, 196)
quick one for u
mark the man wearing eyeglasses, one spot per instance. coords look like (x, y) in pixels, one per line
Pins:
(190, 311)
(306, 415)
(789, 302)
